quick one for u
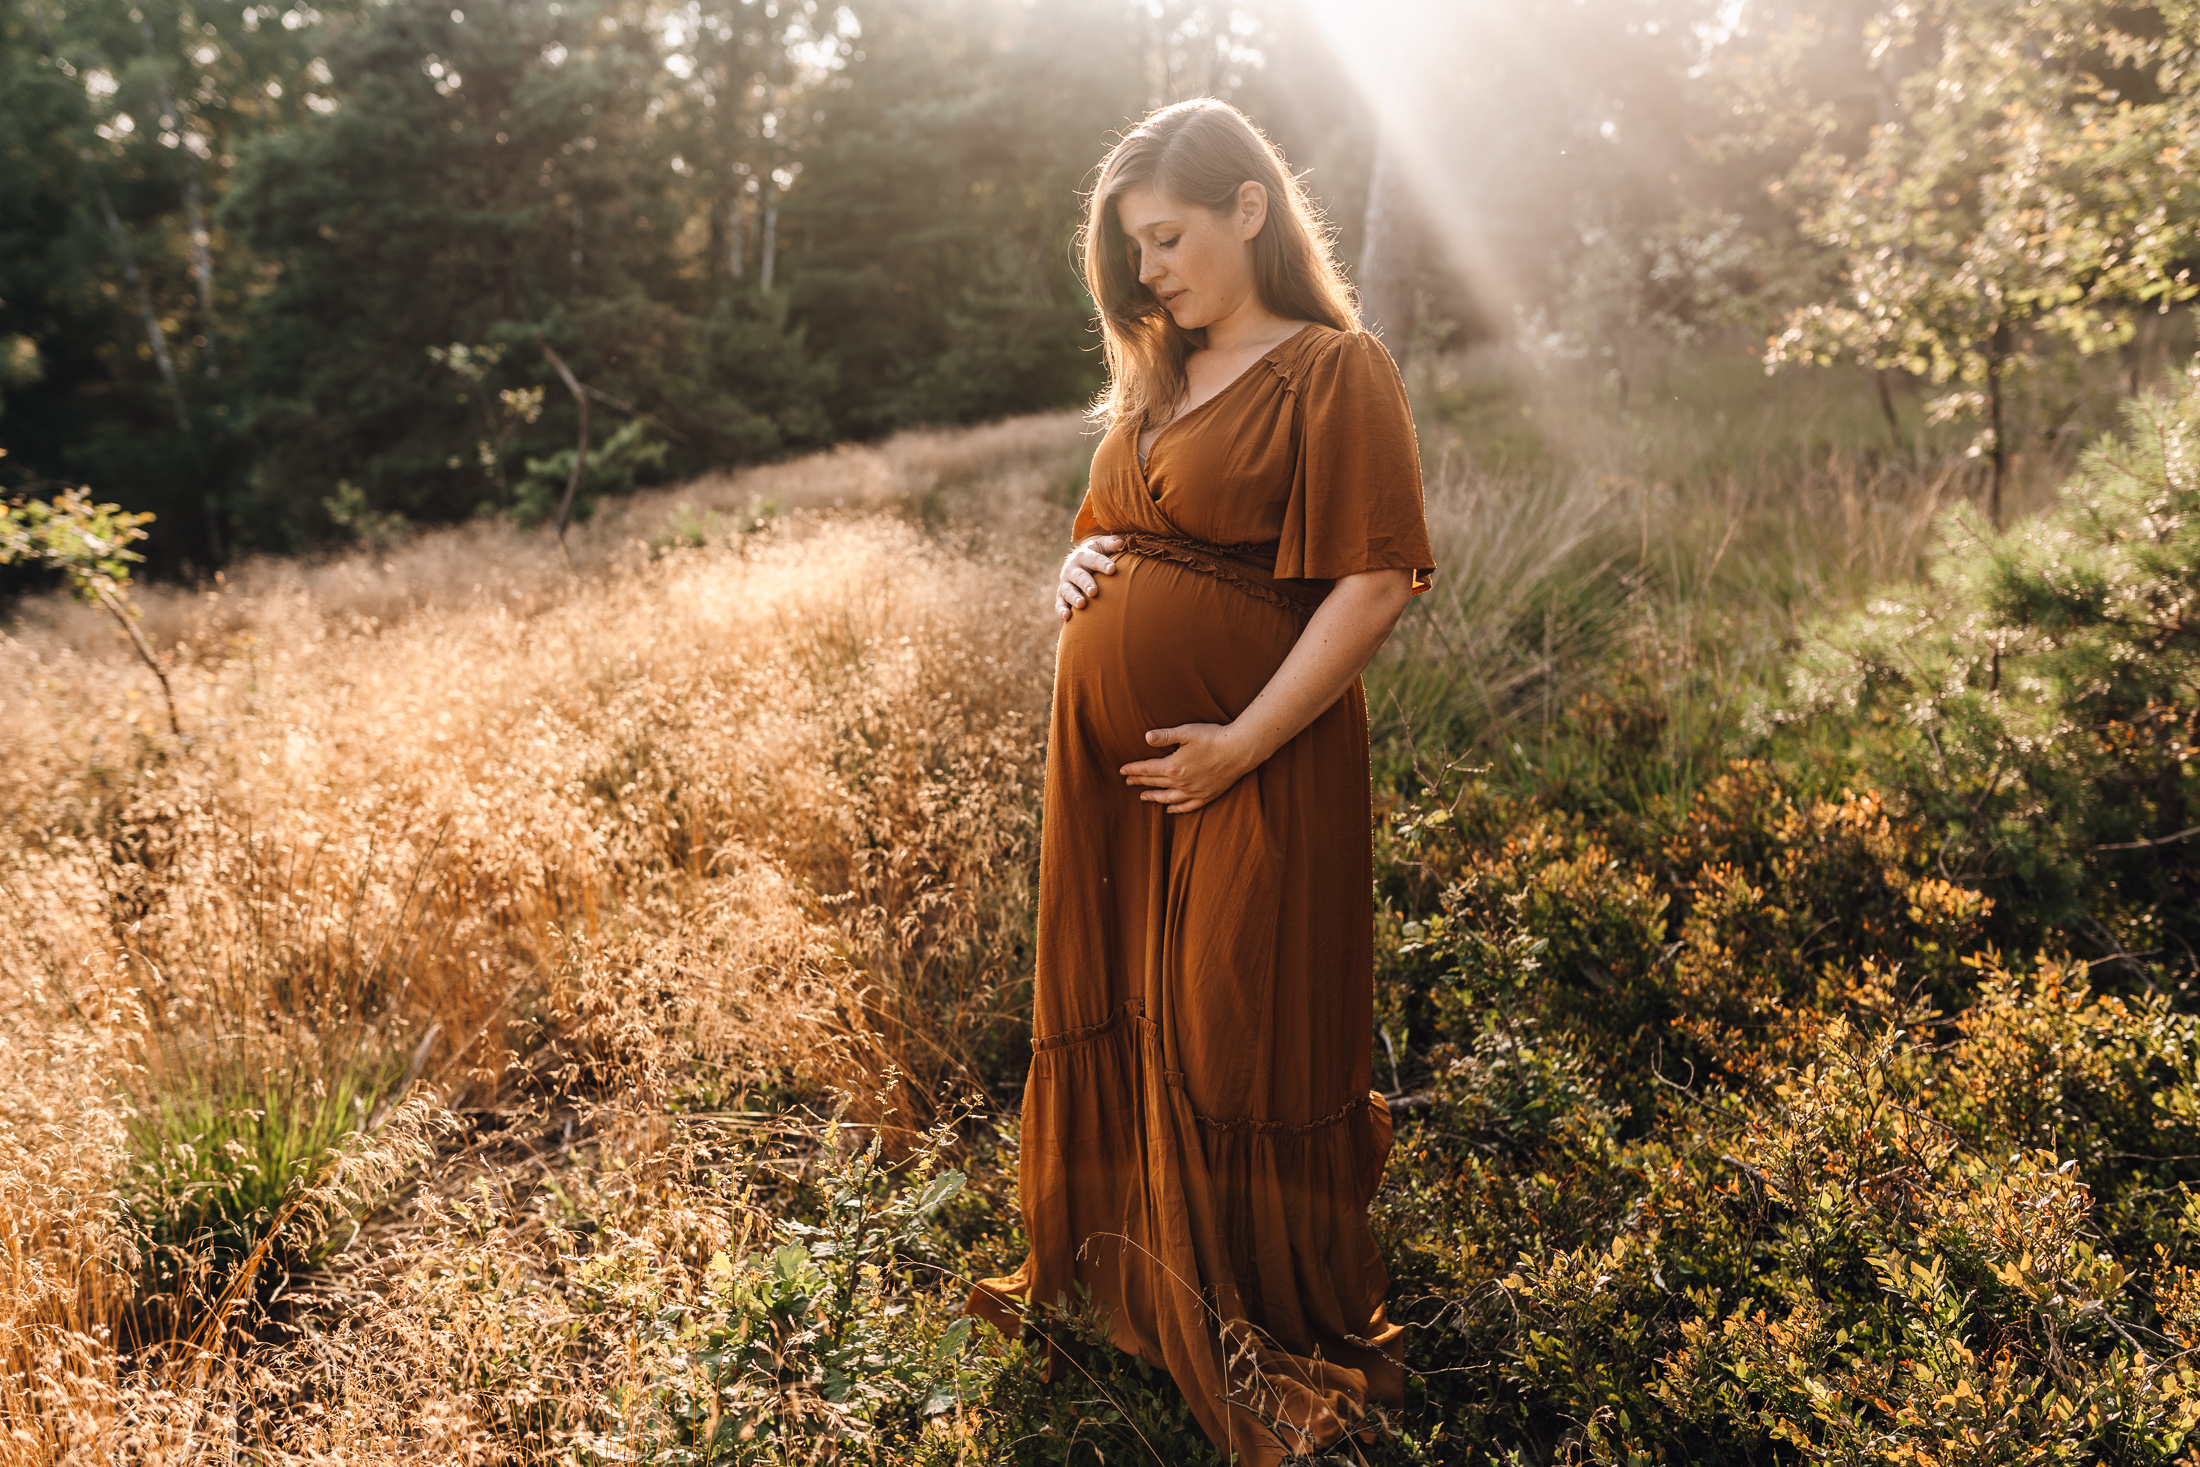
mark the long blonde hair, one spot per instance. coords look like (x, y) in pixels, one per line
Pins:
(1201, 152)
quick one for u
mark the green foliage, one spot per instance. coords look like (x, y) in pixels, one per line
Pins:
(218, 1156)
(2034, 699)
(89, 543)
(1735, 1134)
(2015, 191)
(613, 467)
(1731, 1141)
(964, 132)
(349, 511)
(815, 1338)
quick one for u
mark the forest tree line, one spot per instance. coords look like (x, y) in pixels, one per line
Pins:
(272, 272)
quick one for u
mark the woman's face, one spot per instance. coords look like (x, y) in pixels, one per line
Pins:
(1197, 263)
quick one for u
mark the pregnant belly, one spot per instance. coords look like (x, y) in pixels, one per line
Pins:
(1164, 644)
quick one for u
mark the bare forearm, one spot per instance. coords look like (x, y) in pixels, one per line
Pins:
(1346, 631)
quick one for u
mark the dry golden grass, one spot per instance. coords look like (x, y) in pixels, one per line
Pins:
(448, 813)
(63, 1262)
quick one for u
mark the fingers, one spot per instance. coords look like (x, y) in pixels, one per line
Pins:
(1161, 738)
(1078, 588)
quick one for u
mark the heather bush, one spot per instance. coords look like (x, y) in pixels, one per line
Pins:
(1803, 1168)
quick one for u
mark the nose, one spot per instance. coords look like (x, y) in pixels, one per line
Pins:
(1149, 269)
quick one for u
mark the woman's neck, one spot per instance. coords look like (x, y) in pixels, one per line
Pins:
(1251, 324)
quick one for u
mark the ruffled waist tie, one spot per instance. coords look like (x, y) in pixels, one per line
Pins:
(1228, 564)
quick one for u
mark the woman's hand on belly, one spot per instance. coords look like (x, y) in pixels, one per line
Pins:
(1089, 559)
(1207, 760)
(1345, 630)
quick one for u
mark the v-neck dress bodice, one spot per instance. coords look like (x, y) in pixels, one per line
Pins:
(1200, 1140)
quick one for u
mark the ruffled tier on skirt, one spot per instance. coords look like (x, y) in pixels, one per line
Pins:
(1188, 1229)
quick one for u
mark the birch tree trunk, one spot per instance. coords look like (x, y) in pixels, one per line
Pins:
(194, 210)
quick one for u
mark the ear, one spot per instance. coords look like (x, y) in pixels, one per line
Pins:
(1252, 210)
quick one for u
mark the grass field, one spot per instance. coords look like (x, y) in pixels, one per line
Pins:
(541, 1015)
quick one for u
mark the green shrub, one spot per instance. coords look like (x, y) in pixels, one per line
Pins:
(1736, 1139)
(614, 466)
(2036, 699)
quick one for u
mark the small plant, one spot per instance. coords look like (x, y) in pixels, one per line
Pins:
(631, 452)
(218, 1161)
(349, 510)
(819, 1339)
(90, 544)
(2034, 698)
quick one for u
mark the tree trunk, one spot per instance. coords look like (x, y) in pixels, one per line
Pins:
(1388, 257)
(1996, 346)
(771, 241)
(736, 234)
(768, 186)
(194, 209)
(1886, 406)
(202, 258)
(154, 336)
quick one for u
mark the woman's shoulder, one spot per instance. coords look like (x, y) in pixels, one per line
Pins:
(1319, 350)
(1326, 366)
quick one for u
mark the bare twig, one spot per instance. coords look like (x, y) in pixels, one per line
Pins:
(626, 407)
(121, 613)
(2160, 840)
(580, 453)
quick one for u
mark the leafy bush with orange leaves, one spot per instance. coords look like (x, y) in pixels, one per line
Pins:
(1740, 1139)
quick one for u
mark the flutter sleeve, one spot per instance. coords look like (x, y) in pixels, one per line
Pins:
(1356, 497)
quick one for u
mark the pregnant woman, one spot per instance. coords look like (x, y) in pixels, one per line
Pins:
(1200, 1141)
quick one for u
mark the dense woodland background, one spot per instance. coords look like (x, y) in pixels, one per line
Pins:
(264, 271)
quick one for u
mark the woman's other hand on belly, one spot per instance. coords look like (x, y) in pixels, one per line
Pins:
(1207, 760)
(1345, 630)
(1079, 567)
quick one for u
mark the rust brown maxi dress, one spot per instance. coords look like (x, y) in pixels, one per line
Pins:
(1200, 1141)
